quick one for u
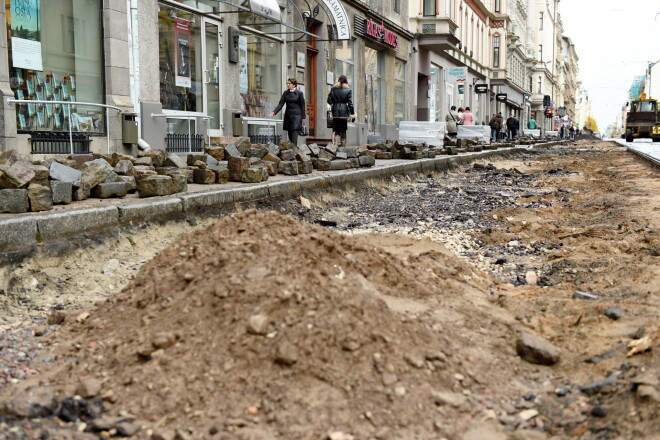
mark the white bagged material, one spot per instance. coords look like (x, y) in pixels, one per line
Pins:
(482, 132)
(433, 133)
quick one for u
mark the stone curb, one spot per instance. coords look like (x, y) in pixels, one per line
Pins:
(151, 210)
(16, 232)
(30, 229)
(69, 223)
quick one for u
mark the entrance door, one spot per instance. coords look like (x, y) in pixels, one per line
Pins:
(211, 74)
(310, 92)
(373, 90)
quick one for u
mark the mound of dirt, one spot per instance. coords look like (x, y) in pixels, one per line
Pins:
(263, 322)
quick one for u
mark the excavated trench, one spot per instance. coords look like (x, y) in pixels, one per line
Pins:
(387, 310)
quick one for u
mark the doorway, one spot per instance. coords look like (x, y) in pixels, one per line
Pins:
(211, 50)
(310, 93)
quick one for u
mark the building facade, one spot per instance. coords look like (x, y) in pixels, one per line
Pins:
(112, 74)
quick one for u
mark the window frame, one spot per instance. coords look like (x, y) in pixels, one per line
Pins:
(496, 51)
(540, 21)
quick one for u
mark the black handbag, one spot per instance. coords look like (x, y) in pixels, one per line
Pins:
(329, 119)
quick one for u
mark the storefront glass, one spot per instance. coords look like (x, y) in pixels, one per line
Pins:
(399, 91)
(55, 54)
(180, 59)
(435, 109)
(345, 64)
(372, 89)
(261, 83)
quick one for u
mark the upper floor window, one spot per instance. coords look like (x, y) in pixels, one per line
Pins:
(540, 52)
(539, 85)
(496, 51)
(540, 21)
(497, 5)
(429, 8)
(396, 5)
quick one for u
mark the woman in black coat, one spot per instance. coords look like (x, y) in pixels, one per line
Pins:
(341, 104)
(295, 109)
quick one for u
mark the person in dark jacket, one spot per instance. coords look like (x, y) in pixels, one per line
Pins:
(295, 109)
(512, 125)
(340, 99)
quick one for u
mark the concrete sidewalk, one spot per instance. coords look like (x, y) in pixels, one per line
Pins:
(21, 233)
(645, 148)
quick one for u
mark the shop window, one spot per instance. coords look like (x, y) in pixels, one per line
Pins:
(399, 91)
(345, 64)
(55, 54)
(261, 76)
(179, 41)
(435, 94)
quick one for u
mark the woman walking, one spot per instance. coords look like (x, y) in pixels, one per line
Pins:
(295, 109)
(340, 99)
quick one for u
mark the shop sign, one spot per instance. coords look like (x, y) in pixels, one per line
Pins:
(457, 74)
(341, 19)
(379, 32)
(501, 97)
(481, 88)
(182, 47)
(26, 34)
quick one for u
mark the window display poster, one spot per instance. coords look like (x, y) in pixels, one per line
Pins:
(26, 34)
(182, 56)
(242, 57)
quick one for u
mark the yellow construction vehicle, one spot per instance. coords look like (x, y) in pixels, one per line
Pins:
(643, 120)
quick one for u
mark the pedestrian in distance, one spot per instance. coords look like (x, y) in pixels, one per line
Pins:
(511, 127)
(452, 120)
(571, 131)
(531, 124)
(294, 114)
(340, 100)
(468, 117)
(501, 126)
(561, 132)
(461, 115)
(493, 127)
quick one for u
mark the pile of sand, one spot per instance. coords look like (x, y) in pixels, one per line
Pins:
(261, 321)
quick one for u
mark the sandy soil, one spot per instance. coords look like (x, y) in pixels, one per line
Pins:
(259, 326)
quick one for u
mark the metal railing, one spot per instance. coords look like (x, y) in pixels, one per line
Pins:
(69, 104)
(264, 138)
(191, 138)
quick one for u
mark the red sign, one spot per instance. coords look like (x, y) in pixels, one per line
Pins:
(379, 32)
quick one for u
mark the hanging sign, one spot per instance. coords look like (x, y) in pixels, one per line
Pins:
(501, 97)
(243, 61)
(26, 34)
(341, 19)
(457, 74)
(481, 88)
(182, 55)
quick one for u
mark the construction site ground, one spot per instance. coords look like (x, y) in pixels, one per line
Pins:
(390, 309)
